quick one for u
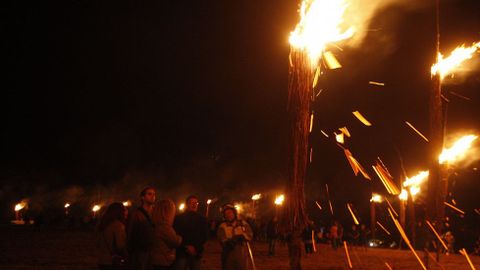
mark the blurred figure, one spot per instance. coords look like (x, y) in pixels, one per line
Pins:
(272, 235)
(364, 235)
(111, 238)
(140, 231)
(234, 234)
(165, 239)
(353, 235)
(450, 241)
(193, 228)
(308, 237)
(334, 235)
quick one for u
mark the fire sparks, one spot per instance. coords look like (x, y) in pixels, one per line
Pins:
(348, 255)
(454, 208)
(437, 235)
(320, 22)
(181, 207)
(353, 215)
(377, 198)
(458, 149)
(403, 195)
(238, 207)
(376, 83)
(413, 183)
(405, 238)
(362, 119)
(331, 61)
(464, 253)
(318, 205)
(386, 178)
(256, 197)
(324, 133)
(67, 205)
(446, 66)
(339, 138)
(356, 166)
(416, 130)
(96, 207)
(383, 228)
(279, 199)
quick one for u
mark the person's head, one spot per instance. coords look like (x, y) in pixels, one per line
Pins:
(148, 196)
(192, 203)
(229, 212)
(163, 212)
(354, 227)
(115, 211)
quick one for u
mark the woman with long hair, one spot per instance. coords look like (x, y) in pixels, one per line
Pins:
(165, 239)
(111, 238)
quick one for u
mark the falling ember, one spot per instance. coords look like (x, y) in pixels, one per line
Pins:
(339, 138)
(416, 130)
(446, 66)
(256, 197)
(331, 61)
(362, 119)
(391, 207)
(437, 235)
(238, 207)
(356, 166)
(279, 199)
(454, 208)
(376, 198)
(181, 207)
(319, 25)
(348, 255)
(67, 205)
(383, 228)
(345, 131)
(464, 253)
(458, 149)
(376, 83)
(318, 205)
(311, 122)
(386, 178)
(127, 203)
(353, 215)
(324, 134)
(405, 238)
(388, 266)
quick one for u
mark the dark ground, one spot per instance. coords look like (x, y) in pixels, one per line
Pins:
(48, 248)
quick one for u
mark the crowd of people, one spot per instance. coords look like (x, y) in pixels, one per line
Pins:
(153, 237)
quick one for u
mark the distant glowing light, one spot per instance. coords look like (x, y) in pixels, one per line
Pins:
(256, 197)
(279, 199)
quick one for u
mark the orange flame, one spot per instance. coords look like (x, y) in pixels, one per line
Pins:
(256, 197)
(96, 207)
(446, 66)
(279, 199)
(458, 149)
(376, 198)
(320, 22)
(20, 206)
(67, 205)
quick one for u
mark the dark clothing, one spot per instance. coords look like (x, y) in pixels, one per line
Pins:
(140, 230)
(193, 228)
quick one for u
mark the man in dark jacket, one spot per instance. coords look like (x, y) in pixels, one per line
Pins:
(193, 228)
(140, 231)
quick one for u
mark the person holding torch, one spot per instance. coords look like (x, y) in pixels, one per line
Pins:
(234, 235)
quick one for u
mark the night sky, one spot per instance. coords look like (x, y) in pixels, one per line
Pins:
(193, 93)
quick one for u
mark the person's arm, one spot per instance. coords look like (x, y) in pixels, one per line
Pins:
(120, 239)
(248, 233)
(171, 238)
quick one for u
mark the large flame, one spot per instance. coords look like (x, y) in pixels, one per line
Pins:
(446, 66)
(279, 199)
(458, 149)
(413, 183)
(320, 23)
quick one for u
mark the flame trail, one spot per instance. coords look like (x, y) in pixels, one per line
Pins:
(464, 253)
(383, 228)
(348, 255)
(353, 215)
(454, 208)
(458, 149)
(446, 66)
(362, 119)
(416, 130)
(437, 235)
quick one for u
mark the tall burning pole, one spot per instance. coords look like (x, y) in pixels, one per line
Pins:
(319, 25)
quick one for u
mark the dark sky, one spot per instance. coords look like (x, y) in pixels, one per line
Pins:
(182, 91)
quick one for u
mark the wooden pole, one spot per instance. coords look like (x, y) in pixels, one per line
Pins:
(298, 107)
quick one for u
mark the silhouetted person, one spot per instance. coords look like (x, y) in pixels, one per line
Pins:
(140, 231)
(308, 237)
(193, 228)
(165, 239)
(233, 234)
(111, 238)
(272, 235)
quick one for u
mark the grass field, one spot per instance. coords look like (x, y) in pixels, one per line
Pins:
(39, 248)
